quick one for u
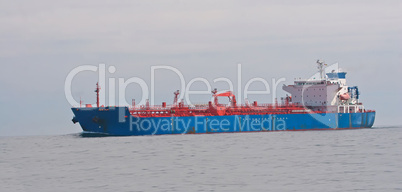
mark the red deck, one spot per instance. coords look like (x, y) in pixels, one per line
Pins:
(216, 109)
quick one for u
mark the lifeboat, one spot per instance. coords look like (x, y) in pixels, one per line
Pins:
(344, 96)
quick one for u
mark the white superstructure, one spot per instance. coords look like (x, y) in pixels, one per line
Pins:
(329, 93)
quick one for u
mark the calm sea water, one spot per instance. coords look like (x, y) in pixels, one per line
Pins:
(347, 160)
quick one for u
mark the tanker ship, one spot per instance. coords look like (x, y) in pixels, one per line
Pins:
(324, 103)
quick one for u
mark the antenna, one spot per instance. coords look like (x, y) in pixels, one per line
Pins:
(321, 66)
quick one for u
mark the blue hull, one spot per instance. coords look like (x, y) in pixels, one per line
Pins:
(118, 122)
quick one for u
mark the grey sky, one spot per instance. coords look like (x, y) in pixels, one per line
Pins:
(42, 41)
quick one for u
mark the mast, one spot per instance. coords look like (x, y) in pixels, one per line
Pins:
(215, 97)
(321, 66)
(97, 90)
(176, 95)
